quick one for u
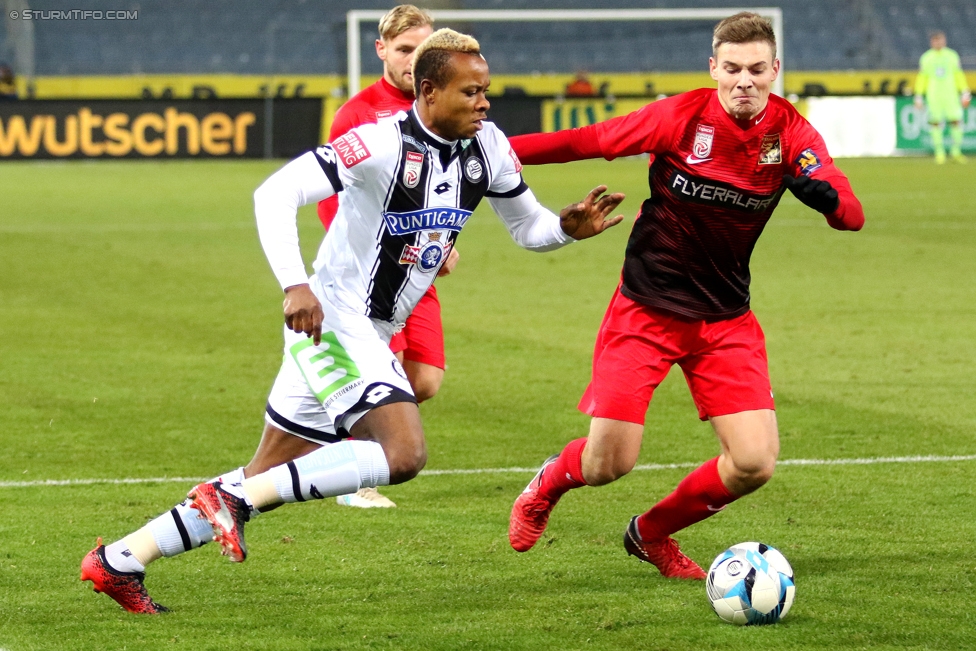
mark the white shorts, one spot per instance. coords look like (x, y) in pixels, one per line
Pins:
(321, 391)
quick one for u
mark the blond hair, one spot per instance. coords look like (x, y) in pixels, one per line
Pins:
(432, 60)
(744, 27)
(402, 18)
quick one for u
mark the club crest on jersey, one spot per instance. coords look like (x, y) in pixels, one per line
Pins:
(428, 256)
(771, 150)
(350, 148)
(702, 146)
(808, 162)
(411, 169)
(397, 368)
(474, 169)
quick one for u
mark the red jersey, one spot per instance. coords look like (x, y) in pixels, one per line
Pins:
(714, 183)
(371, 104)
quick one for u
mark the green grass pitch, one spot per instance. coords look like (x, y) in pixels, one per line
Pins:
(140, 330)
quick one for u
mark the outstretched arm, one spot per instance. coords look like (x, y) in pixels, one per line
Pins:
(641, 132)
(558, 147)
(589, 217)
(536, 228)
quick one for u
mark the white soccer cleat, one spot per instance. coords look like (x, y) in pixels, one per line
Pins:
(365, 498)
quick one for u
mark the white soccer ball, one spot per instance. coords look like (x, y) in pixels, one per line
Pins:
(750, 584)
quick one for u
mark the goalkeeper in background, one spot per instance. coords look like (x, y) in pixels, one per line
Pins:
(946, 94)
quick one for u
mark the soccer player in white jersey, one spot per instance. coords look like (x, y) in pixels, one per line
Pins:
(408, 185)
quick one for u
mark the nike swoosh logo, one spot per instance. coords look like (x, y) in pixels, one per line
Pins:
(714, 509)
(691, 160)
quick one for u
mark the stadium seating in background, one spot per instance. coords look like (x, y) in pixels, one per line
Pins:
(309, 37)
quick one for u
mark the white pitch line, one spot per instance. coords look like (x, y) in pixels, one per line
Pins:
(867, 461)
(89, 482)
(59, 229)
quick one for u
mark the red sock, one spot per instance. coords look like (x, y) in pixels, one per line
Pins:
(565, 473)
(698, 496)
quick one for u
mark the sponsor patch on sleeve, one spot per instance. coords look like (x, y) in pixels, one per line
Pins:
(350, 149)
(515, 159)
(808, 162)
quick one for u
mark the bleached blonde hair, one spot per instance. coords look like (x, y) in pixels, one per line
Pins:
(744, 27)
(432, 60)
(401, 18)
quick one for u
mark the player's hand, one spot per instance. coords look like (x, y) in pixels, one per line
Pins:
(303, 312)
(966, 98)
(819, 195)
(589, 217)
(919, 102)
(450, 263)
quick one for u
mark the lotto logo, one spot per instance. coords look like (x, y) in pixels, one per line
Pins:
(351, 149)
(326, 153)
(378, 394)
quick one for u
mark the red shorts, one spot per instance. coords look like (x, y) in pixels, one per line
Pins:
(422, 338)
(724, 362)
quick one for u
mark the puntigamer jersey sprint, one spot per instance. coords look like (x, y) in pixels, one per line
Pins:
(405, 194)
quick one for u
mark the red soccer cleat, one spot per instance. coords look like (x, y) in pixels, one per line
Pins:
(530, 513)
(663, 553)
(227, 514)
(126, 588)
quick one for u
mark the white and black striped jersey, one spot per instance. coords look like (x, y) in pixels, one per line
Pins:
(405, 195)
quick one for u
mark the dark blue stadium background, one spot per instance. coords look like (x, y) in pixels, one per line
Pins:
(309, 36)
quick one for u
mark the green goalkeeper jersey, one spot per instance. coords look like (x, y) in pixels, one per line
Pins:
(940, 74)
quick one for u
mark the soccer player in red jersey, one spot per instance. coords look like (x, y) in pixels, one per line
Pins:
(720, 161)
(420, 345)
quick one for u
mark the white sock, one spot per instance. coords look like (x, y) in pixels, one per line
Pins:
(178, 530)
(121, 558)
(235, 476)
(336, 469)
(182, 528)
